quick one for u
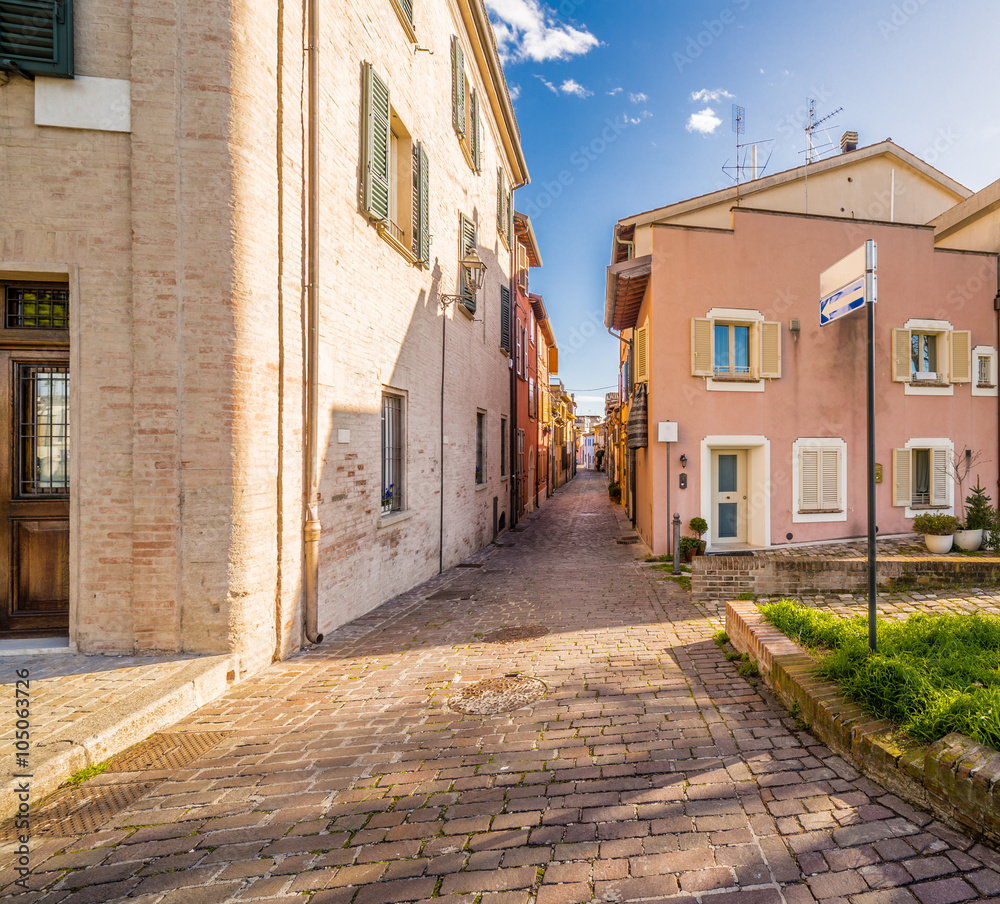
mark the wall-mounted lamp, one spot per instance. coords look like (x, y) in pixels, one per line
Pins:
(684, 461)
(794, 327)
(474, 273)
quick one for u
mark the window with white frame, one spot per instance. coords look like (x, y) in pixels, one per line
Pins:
(921, 476)
(735, 346)
(819, 473)
(931, 354)
(480, 447)
(518, 358)
(392, 452)
(984, 358)
(532, 408)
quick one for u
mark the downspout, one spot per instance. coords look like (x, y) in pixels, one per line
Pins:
(312, 528)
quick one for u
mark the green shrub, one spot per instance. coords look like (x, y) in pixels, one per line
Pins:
(698, 526)
(934, 524)
(978, 510)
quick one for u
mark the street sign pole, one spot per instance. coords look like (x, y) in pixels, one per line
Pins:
(870, 295)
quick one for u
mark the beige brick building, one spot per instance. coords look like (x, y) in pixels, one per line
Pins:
(164, 276)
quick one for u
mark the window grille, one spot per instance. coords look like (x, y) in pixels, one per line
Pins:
(392, 453)
(37, 307)
(43, 430)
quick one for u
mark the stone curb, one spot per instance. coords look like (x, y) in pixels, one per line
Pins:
(102, 734)
(956, 778)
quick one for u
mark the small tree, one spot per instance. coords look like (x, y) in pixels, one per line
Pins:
(959, 467)
(979, 514)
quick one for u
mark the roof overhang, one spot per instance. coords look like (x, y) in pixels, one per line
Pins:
(626, 287)
(983, 203)
(524, 231)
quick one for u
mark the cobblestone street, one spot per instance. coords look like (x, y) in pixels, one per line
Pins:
(650, 769)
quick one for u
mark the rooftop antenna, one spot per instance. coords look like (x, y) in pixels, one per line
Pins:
(739, 169)
(812, 150)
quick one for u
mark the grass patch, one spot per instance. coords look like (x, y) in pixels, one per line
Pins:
(932, 674)
(78, 778)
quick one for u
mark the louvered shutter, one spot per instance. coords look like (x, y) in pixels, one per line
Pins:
(961, 356)
(505, 319)
(375, 186)
(509, 217)
(423, 223)
(901, 492)
(829, 467)
(642, 354)
(408, 9)
(939, 476)
(467, 241)
(809, 482)
(475, 137)
(458, 85)
(36, 37)
(701, 347)
(770, 350)
(901, 356)
(501, 203)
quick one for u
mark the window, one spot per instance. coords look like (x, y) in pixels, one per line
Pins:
(392, 453)
(985, 358)
(36, 37)
(505, 319)
(520, 452)
(523, 371)
(43, 430)
(522, 268)
(819, 478)
(395, 179)
(36, 306)
(921, 477)
(480, 448)
(466, 242)
(735, 347)
(641, 356)
(465, 118)
(518, 331)
(505, 208)
(532, 406)
(503, 447)
(531, 326)
(929, 354)
(404, 10)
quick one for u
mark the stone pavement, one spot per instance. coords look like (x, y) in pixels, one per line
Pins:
(649, 770)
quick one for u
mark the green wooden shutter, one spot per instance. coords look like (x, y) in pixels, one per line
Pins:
(501, 203)
(375, 177)
(458, 85)
(474, 110)
(510, 217)
(36, 37)
(466, 242)
(422, 223)
(408, 9)
(505, 318)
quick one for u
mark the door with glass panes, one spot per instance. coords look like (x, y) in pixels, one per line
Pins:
(34, 460)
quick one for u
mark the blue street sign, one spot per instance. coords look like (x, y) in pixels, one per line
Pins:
(843, 301)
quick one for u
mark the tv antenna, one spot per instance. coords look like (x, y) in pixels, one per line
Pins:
(742, 167)
(814, 151)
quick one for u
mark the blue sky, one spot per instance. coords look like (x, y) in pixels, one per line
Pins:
(626, 106)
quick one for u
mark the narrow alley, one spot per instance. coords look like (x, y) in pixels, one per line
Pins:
(639, 764)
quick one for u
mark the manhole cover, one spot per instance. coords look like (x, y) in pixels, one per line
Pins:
(498, 695)
(167, 750)
(511, 635)
(627, 541)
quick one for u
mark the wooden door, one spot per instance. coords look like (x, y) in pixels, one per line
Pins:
(34, 492)
(729, 496)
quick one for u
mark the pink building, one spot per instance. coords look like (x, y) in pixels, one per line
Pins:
(717, 302)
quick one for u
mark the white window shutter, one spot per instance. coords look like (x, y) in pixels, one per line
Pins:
(901, 493)
(770, 350)
(939, 476)
(642, 354)
(830, 478)
(961, 356)
(901, 356)
(809, 484)
(701, 347)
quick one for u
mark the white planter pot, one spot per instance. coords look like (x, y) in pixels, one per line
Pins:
(937, 544)
(969, 540)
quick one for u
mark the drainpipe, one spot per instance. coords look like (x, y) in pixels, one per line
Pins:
(312, 528)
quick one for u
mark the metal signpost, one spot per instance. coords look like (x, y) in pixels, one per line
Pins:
(846, 286)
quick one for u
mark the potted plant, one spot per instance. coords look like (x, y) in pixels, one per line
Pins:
(938, 531)
(978, 516)
(615, 491)
(694, 546)
(388, 494)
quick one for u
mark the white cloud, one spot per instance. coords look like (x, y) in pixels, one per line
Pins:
(639, 98)
(614, 91)
(706, 95)
(514, 91)
(705, 121)
(635, 120)
(575, 88)
(526, 31)
(547, 84)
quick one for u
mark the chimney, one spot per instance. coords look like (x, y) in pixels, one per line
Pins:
(848, 142)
